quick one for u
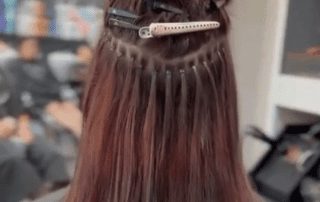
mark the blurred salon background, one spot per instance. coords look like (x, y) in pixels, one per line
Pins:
(46, 47)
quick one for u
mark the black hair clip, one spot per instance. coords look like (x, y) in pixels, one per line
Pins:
(158, 5)
(119, 23)
(122, 13)
(152, 5)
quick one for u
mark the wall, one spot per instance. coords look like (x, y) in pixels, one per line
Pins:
(250, 48)
(248, 20)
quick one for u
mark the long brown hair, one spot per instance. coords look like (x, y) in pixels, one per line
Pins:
(160, 114)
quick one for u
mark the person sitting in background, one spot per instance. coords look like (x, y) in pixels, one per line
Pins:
(30, 74)
(27, 160)
(70, 68)
(67, 114)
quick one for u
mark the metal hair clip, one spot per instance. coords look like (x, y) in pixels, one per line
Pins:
(165, 29)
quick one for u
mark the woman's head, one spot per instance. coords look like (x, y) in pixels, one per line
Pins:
(160, 114)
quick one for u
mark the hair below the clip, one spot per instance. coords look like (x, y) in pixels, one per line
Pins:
(160, 118)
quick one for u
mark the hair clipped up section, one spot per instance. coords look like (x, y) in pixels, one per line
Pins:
(160, 114)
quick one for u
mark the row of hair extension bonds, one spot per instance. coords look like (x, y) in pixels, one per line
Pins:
(120, 51)
(210, 57)
(202, 60)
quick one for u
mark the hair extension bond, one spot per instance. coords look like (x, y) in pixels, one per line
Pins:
(160, 113)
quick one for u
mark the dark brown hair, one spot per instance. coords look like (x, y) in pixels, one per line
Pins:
(160, 114)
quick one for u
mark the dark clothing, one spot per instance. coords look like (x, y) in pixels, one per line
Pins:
(35, 78)
(18, 178)
(21, 176)
(50, 165)
(25, 168)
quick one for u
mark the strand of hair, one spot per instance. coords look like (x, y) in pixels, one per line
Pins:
(195, 173)
(148, 139)
(121, 116)
(129, 129)
(182, 144)
(167, 115)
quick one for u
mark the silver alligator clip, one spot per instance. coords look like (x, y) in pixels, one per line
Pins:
(165, 29)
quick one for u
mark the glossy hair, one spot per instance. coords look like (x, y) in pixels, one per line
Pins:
(160, 114)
